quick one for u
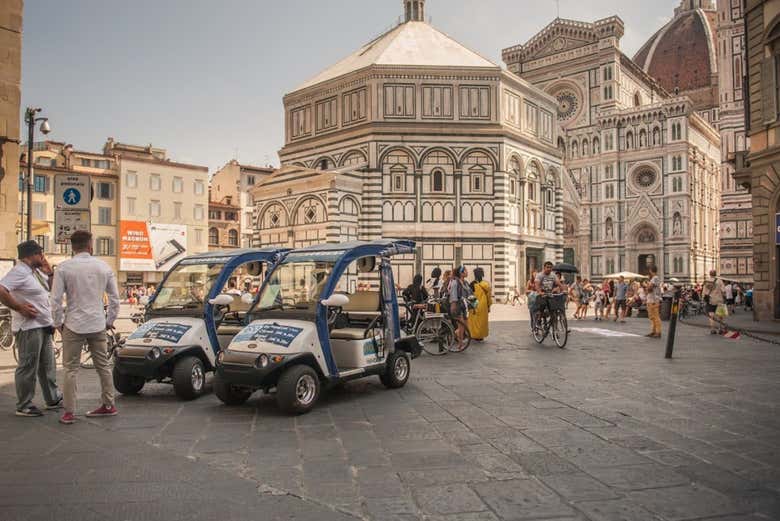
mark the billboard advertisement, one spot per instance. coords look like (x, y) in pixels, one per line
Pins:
(146, 246)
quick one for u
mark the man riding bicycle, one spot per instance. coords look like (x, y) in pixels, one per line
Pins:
(546, 284)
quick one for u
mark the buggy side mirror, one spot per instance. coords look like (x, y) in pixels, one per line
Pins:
(221, 300)
(337, 300)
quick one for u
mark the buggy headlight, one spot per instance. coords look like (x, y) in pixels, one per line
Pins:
(262, 361)
(154, 354)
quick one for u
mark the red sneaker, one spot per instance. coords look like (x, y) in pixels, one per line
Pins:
(102, 411)
(68, 418)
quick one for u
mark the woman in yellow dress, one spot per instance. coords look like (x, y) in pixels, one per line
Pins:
(478, 318)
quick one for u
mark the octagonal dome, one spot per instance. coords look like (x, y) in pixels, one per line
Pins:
(682, 55)
(411, 44)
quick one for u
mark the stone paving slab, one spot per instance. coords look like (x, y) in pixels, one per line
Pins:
(509, 430)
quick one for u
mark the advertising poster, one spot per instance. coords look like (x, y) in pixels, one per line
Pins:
(150, 247)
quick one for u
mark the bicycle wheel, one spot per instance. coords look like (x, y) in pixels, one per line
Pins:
(540, 329)
(453, 346)
(560, 329)
(6, 335)
(435, 335)
(86, 358)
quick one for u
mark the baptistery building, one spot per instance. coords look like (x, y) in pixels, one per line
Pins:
(644, 160)
(415, 136)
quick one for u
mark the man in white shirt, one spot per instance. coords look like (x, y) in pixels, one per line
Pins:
(25, 290)
(85, 280)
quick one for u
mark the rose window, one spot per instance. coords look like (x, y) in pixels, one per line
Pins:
(568, 103)
(645, 178)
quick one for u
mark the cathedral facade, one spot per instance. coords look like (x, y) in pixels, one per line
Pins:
(415, 136)
(645, 162)
(700, 53)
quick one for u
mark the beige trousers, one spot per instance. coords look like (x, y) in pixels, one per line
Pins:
(654, 314)
(72, 345)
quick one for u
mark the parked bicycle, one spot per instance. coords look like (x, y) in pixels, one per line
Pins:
(551, 319)
(434, 330)
(6, 332)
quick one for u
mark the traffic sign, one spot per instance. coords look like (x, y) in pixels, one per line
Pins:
(66, 222)
(72, 192)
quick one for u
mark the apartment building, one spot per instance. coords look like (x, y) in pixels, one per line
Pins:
(224, 225)
(162, 209)
(233, 182)
(52, 158)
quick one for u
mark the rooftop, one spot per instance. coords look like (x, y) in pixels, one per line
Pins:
(412, 44)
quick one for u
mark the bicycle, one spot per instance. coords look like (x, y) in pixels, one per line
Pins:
(551, 318)
(6, 332)
(434, 332)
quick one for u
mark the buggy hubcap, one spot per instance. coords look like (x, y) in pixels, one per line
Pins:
(197, 377)
(305, 389)
(401, 368)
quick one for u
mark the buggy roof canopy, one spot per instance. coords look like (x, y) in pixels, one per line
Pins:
(240, 255)
(331, 252)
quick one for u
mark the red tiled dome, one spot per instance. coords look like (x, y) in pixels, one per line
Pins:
(683, 55)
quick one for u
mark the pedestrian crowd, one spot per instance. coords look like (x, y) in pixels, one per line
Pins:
(467, 302)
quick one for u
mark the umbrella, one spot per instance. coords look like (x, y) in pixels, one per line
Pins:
(563, 267)
(626, 275)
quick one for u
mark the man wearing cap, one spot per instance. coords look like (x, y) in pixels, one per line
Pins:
(86, 280)
(25, 290)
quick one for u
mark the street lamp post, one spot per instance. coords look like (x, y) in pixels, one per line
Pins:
(31, 120)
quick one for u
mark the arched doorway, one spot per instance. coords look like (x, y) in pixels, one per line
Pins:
(645, 238)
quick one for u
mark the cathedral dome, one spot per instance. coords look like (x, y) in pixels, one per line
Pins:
(682, 55)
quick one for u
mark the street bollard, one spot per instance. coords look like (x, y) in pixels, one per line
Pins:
(673, 322)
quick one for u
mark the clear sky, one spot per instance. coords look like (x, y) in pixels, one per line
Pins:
(205, 78)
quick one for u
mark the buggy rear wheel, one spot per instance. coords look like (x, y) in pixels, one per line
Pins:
(230, 394)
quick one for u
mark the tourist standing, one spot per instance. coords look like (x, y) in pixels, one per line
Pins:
(25, 291)
(85, 280)
(714, 296)
(576, 295)
(478, 318)
(621, 295)
(729, 294)
(653, 299)
(433, 284)
(530, 296)
(457, 294)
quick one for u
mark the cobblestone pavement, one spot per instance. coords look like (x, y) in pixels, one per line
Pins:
(604, 430)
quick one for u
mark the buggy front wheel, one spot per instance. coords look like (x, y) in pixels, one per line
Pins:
(560, 329)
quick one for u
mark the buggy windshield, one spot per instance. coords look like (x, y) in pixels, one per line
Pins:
(295, 286)
(187, 286)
